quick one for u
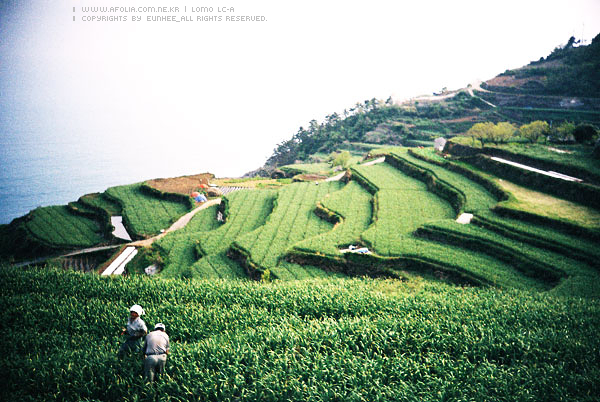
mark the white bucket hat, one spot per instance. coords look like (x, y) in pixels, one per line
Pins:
(136, 308)
(160, 325)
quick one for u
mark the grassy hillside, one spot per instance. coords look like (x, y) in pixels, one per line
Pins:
(291, 221)
(145, 214)
(337, 340)
(568, 70)
(178, 249)
(505, 308)
(47, 231)
(246, 210)
(352, 210)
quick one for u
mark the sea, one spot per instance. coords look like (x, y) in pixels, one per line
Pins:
(36, 170)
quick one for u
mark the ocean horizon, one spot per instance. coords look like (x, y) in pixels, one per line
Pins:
(38, 171)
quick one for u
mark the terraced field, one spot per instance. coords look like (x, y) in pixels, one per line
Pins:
(538, 263)
(100, 200)
(145, 215)
(247, 210)
(58, 227)
(403, 210)
(353, 206)
(408, 227)
(179, 247)
(477, 197)
(384, 176)
(542, 237)
(292, 221)
(314, 168)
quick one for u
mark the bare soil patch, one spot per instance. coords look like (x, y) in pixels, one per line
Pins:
(310, 177)
(181, 185)
(461, 120)
(510, 81)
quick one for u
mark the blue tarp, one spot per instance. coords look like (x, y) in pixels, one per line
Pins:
(200, 198)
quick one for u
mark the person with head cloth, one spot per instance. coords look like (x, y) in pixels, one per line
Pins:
(135, 330)
(156, 349)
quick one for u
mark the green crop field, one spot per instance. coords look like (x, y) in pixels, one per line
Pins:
(58, 227)
(540, 236)
(179, 246)
(248, 209)
(537, 263)
(398, 215)
(404, 205)
(292, 221)
(571, 156)
(100, 200)
(353, 205)
(477, 198)
(384, 176)
(145, 215)
(338, 340)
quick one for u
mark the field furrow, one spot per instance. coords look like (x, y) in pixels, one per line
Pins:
(289, 223)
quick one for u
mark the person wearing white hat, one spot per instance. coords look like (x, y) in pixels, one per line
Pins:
(135, 330)
(156, 348)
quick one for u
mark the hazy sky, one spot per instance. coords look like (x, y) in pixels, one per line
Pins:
(222, 94)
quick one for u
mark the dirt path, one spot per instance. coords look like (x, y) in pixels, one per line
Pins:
(434, 98)
(477, 86)
(374, 161)
(340, 175)
(181, 222)
(336, 177)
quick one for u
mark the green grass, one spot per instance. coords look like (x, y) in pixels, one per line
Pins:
(248, 210)
(477, 197)
(100, 200)
(292, 221)
(385, 176)
(145, 215)
(353, 205)
(535, 262)
(178, 247)
(579, 156)
(339, 340)
(57, 227)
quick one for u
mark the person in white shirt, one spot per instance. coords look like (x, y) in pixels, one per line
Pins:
(135, 331)
(156, 348)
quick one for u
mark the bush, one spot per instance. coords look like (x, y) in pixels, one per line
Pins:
(584, 132)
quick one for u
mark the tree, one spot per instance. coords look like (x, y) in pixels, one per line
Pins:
(534, 130)
(481, 132)
(502, 132)
(342, 159)
(584, 132)
(564, 131)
